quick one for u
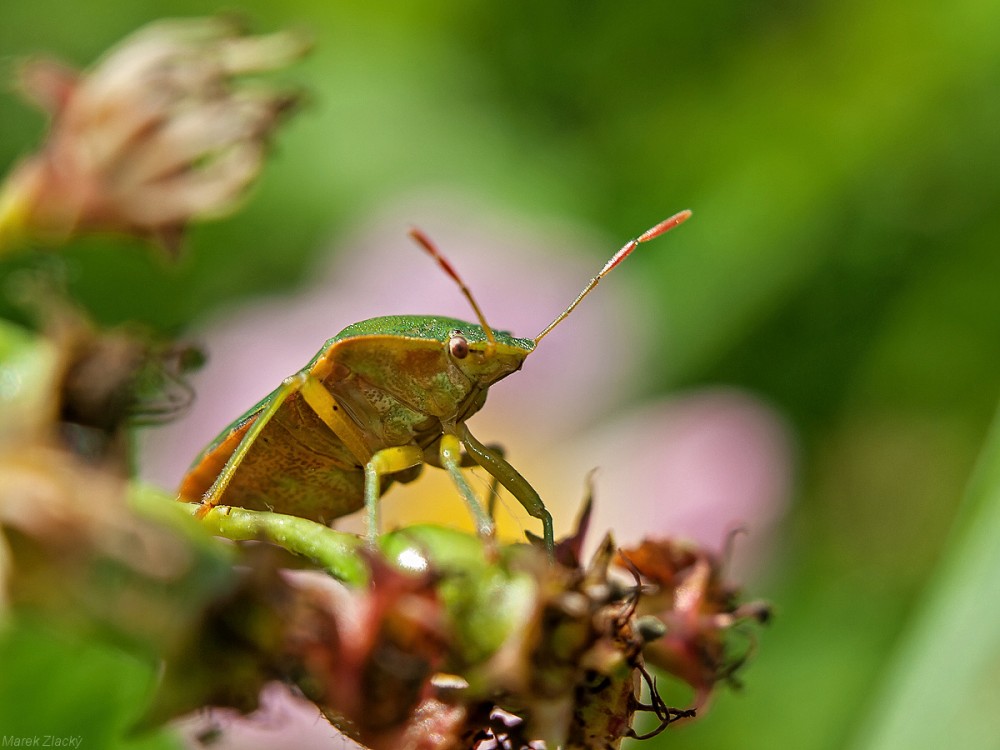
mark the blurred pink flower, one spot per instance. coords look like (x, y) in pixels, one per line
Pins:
(696, 466)
(154, 135)
(284, 720)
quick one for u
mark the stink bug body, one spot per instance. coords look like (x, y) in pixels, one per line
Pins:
(380, 399)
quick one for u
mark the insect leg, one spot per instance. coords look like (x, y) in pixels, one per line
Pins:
(509, 477)
(451, 460)
(385, 461)
(491, 503)
(432, 457)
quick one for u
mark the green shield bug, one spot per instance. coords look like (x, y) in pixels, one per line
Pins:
(379, 400)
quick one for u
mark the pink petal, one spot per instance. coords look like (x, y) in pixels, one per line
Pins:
(697, 466)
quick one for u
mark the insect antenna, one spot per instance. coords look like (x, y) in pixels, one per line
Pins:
(626, 250)
(425, 242)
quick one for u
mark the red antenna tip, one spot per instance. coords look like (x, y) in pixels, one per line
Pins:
(652, 233)
(665, 226)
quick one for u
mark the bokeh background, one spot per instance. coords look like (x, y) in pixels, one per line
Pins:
(838, 285)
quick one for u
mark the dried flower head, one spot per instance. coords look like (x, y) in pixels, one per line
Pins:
(699, 609)
(155, 135)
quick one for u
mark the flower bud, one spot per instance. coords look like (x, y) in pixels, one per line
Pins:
(155, 135)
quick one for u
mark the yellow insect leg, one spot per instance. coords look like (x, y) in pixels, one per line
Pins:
(385, 461)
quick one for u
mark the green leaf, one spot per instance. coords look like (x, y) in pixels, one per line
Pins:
(943, 689)
(62, 686)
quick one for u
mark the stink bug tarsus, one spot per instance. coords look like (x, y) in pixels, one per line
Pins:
(379, 400)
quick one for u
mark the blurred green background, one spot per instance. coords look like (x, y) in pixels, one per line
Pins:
(843, 162)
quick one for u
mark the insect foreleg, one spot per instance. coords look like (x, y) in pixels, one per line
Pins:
(450, 453)
(491, 503)
(432, 456)
(509, 477)
(494, 493)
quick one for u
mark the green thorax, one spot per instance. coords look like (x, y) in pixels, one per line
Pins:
(396, 347)
(392, 373)
(427, 327)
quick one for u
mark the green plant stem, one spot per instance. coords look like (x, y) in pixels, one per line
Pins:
(335, 551)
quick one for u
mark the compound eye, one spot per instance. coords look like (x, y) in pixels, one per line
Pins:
(458, 346)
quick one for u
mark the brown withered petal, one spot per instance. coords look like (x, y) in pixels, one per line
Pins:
(155, 135)
(699, 609)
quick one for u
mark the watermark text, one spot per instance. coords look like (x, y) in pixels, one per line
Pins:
(40, 740)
